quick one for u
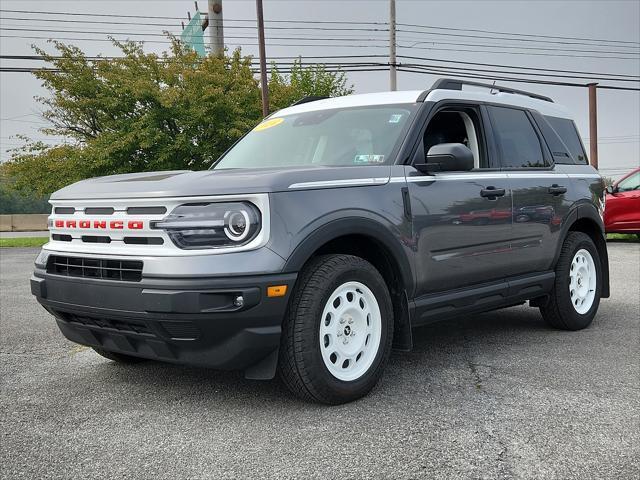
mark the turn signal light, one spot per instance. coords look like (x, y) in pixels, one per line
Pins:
(277, 291)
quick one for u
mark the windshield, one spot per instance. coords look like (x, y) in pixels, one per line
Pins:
(343, 137)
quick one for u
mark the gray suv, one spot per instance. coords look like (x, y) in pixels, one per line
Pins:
(324, 235)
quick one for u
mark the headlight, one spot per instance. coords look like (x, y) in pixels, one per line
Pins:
(211, 225)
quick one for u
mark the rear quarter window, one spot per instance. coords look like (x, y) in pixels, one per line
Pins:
(567, 133)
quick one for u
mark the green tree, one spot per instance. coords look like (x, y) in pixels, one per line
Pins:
(304, 81)
(144, 111)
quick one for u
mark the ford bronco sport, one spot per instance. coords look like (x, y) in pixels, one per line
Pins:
(329, 231)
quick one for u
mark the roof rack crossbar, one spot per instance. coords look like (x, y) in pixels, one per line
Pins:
(310, 98)
(455, 84)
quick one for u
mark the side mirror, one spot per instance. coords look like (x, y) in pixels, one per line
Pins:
(447, 157)
(611, 190)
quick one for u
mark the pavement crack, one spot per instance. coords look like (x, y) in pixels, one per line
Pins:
(476, 375)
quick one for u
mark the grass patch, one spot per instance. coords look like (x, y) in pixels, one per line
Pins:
(623, 237)
(23, 241)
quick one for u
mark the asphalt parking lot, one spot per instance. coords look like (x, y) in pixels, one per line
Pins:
(498, 395)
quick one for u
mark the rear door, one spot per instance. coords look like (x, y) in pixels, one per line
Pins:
(461, 220)
(538, 189)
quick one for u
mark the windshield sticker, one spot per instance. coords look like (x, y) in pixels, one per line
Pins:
(395, 118)
(268, 124)
(368, 159)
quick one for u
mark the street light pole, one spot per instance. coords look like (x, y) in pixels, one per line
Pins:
(263, 61)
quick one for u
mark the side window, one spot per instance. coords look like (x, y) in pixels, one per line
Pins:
(630, 183)
(459, 125)
(517, 139)
(568, 133)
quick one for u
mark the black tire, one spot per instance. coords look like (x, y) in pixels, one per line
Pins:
(117, 357)
(301, 365)
(559, 312)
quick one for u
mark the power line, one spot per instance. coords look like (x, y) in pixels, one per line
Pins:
(605, 75)
(332, 22)
(112, 15)
(367, 68)
(106, 22)
(316, 28)
(515, 34)
(517, 47)
(515, 53)
(33, 37)
(517, 80)
(164, 35)
(308, 38)
(536, 69)
(122, 40)
(516, 39)
(356, 68)
(454, 69)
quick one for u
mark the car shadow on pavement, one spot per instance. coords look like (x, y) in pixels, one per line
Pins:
(437, 345)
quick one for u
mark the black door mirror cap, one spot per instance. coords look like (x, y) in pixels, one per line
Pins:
(611, 189)
(448, 157)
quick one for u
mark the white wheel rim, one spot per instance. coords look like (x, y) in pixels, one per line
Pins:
(350, 331)
(582, 281)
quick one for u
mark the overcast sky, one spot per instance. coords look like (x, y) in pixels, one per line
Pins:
(619, 111)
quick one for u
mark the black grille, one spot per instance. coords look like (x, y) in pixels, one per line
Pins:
(99, 211)
(106, 269)
(124, 326)
(181, 330)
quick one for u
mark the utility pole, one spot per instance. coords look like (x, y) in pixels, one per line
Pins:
(593, 125)
(216, 32)
(263, 61)
(392, 45)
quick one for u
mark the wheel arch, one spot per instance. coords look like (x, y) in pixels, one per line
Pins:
(586, 219)
(376, 243)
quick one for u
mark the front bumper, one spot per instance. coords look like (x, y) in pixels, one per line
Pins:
(187, 321)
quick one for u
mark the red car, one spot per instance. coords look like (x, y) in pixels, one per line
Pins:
(622, 208)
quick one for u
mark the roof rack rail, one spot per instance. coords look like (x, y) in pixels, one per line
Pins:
(310, 98)
(454, 84)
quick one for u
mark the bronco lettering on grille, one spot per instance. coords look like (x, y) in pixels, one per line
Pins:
(101, 224)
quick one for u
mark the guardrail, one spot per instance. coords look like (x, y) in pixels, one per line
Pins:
(23, 222)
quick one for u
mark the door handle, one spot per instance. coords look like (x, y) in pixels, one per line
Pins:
(556, 189)
(492, 192)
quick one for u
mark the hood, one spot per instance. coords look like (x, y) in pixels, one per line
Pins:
(182, 183)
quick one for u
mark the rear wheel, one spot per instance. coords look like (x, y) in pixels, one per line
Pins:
(117, 357)
(337, 335)
(578, 285)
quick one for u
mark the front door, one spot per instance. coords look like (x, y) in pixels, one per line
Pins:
(461, 220)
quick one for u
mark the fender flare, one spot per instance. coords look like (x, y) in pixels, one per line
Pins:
(588, 211)
(353, 225)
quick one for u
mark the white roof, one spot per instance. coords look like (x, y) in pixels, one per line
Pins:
(361, 100)
(411, 96)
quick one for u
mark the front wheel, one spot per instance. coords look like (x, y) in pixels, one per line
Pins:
(337, 335)
(578, 285)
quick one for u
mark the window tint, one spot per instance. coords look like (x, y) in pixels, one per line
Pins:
(558, 149)
(630, 183)
(568, 133)
(517, 139)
